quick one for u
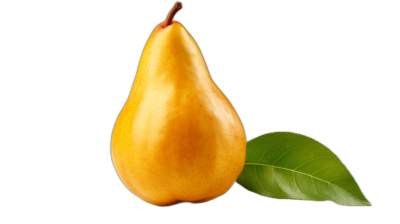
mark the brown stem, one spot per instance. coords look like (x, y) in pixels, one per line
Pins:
(174, 10)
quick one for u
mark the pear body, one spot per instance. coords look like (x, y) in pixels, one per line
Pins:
(177, 138)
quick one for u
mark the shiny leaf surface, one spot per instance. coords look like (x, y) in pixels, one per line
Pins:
(292, 166)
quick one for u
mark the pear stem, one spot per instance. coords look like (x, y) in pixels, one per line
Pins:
(174, 10)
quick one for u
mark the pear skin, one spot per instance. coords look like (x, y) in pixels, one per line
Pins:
(177, 138)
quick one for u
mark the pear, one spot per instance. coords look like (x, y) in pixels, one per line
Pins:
(177, 138)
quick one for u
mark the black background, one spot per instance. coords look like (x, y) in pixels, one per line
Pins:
(305, 68)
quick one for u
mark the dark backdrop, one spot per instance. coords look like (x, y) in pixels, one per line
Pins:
(295, 67)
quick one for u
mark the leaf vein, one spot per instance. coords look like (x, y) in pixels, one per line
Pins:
(340, 179)
(272, 146)
(255, 144)
(258, 164)
(312, 181)
(325, 168)
(260, 183)
(294, 179)
(353, 188)
(314, 159)
(289, 151)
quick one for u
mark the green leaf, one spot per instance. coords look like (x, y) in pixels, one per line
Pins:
(292, 166)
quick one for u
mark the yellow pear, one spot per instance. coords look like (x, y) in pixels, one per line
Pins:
(177, 138)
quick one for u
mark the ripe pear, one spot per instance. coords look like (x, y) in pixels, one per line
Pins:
(177, 138)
